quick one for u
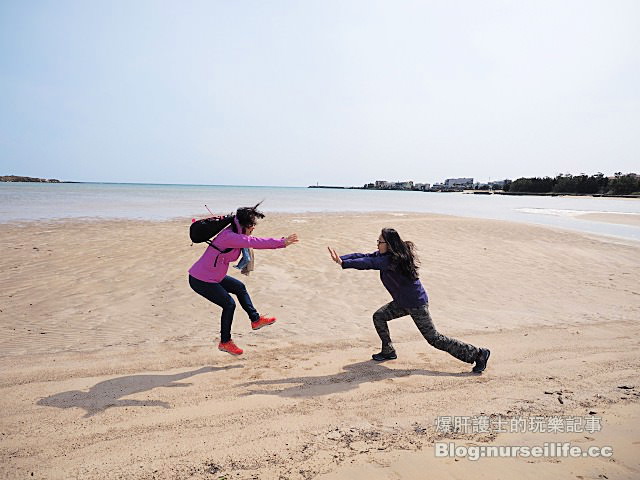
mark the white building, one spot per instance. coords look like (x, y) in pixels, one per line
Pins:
(458, 183)
(404, 185)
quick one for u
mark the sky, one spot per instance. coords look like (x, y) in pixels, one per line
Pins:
(335, 92)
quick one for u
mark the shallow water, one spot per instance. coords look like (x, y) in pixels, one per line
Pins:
(35, 201)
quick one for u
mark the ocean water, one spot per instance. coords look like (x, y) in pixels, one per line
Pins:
(43, 201)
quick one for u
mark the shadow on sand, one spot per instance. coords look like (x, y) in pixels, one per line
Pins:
(353, 375)
(107, 394)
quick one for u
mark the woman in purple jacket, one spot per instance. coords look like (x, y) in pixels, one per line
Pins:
(208, 276)
(397, 263)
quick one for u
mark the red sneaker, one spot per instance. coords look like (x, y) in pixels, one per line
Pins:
(229, 347)
(262, 322)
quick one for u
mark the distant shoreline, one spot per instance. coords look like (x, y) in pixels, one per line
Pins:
(560, 194)
(482, 192)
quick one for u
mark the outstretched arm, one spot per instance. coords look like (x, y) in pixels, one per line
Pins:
(238, 240)
(369, 261)
(360, 261)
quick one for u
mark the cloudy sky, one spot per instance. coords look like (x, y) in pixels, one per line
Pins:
(337, 92)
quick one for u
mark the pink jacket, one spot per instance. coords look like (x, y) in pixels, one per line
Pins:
(213, 265)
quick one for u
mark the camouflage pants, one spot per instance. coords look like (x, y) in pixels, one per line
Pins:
(422, 319)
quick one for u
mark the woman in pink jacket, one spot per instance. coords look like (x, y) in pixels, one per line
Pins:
(208, 276)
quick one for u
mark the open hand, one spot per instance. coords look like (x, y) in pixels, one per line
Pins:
(334, 256)
(293, 238)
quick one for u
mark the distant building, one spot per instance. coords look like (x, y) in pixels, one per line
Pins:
(385, 185)
(458, 183)
(495, 185)
(421, 186)
(403, 185)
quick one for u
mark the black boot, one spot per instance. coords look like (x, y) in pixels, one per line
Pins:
(387, 353)
(381, 357)
(481, 361)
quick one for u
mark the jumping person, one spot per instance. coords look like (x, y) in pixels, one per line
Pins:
(397, 263)
(208, 276)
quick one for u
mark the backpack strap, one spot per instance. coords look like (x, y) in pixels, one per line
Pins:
(224, 250)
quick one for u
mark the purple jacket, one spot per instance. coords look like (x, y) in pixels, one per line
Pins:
(213, 265)
(405, 292)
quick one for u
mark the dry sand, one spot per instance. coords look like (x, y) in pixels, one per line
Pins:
(109, 366)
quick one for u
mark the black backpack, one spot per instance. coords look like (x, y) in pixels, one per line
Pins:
(202, 231)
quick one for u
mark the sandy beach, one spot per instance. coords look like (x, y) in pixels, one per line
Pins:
(110, 367)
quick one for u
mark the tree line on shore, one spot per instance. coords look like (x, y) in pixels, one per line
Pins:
(16, 178)
(582, 184)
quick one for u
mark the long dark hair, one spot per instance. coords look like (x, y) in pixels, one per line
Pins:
(248, 216)
(403, 256)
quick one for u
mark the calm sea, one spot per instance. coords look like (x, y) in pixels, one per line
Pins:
(34, 201)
